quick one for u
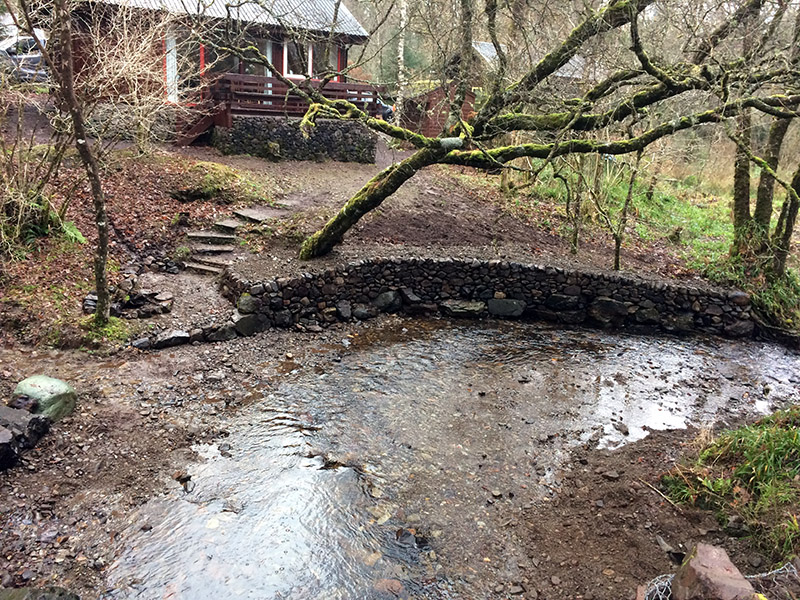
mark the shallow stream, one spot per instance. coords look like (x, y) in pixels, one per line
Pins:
(392, 470)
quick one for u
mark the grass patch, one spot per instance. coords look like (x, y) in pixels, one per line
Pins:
(752, 473)
(116, 330)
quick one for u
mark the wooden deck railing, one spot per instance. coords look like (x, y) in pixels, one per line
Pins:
(255, 95)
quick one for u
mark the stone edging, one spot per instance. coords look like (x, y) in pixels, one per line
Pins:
(471, 289)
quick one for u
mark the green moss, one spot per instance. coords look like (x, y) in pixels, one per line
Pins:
(214, 181)
(116, 330)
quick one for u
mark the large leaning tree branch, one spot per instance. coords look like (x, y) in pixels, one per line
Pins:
(704, 85)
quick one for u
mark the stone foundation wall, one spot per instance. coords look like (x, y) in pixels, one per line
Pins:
(279, 138)
(478, 289)
(118, 121)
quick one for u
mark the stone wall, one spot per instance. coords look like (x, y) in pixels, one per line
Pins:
(478, 289)
(120, 121)
(278, 138)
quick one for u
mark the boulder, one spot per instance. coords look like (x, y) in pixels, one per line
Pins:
(170, 338)
(143, 343)
(248, 304)
(362, 313)
(740, 328)
(503, 307)
(647, 316)
(606, 310)
(409, 297)
(681, 323)
(54, 398)
(561, 302)
(708, 574)
(8, 449)
(425, 309)
(283, 319)
(465, 309)
(250, 324)
(388, 301)
(26, 428)
(739, 298)
(344, 310)
(223, 333)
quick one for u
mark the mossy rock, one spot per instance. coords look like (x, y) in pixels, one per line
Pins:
(207, 181)
(54, 398)
(50, 593)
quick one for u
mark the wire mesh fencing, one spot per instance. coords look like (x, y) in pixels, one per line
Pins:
(778, 584)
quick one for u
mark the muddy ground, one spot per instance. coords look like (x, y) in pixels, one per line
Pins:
(63, 508)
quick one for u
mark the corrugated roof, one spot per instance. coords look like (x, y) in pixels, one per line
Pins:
(310, 15)
(487, 51)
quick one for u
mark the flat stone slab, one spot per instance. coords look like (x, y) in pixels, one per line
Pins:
(228, 225)
(259, 214)
(212, 248)
(211, 237)
(463, 309)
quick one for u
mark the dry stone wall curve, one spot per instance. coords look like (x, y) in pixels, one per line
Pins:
(477, 289)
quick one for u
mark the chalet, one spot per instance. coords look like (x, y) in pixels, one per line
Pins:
(301, 38)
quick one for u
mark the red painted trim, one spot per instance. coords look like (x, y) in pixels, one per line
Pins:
(338, 63)
(202, 59)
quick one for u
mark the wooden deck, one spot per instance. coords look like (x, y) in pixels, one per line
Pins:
(234, 94)
(254, 95)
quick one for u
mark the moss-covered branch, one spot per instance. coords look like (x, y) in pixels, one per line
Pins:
(368, 198)
(614, 15)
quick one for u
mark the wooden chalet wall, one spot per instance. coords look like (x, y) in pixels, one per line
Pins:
(428, 112)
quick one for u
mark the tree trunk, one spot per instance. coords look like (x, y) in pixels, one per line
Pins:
(762, 214)
(741, 185)
(75, 109)
(368, 198)
(402, 79)
(617, 251)
(783, 234)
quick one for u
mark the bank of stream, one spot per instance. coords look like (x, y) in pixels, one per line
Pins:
(422, 459)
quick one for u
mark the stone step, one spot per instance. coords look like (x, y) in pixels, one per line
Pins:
(211, 249)
(203, 269)
(211, 261)
(227, 225)
(211, 237)
(259, 214)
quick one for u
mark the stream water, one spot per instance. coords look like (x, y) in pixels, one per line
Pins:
(390, 471)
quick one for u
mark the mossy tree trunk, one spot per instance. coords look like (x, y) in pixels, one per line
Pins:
(782, 238)
(368, 198)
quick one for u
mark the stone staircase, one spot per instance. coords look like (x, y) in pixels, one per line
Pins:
(213, 250)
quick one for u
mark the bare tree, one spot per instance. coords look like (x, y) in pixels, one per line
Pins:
(693, 88)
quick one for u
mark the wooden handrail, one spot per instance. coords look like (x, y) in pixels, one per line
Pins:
(269, 95)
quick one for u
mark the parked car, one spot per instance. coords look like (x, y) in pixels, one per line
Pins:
(386, 111)
(20, 56)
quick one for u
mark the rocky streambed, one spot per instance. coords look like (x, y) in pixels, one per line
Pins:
(429, 459)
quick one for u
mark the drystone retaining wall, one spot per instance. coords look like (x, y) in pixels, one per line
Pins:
(279, 138)
(468, 289)
(476, 289)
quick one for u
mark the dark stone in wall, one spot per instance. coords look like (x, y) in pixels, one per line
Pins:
(280, 138)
